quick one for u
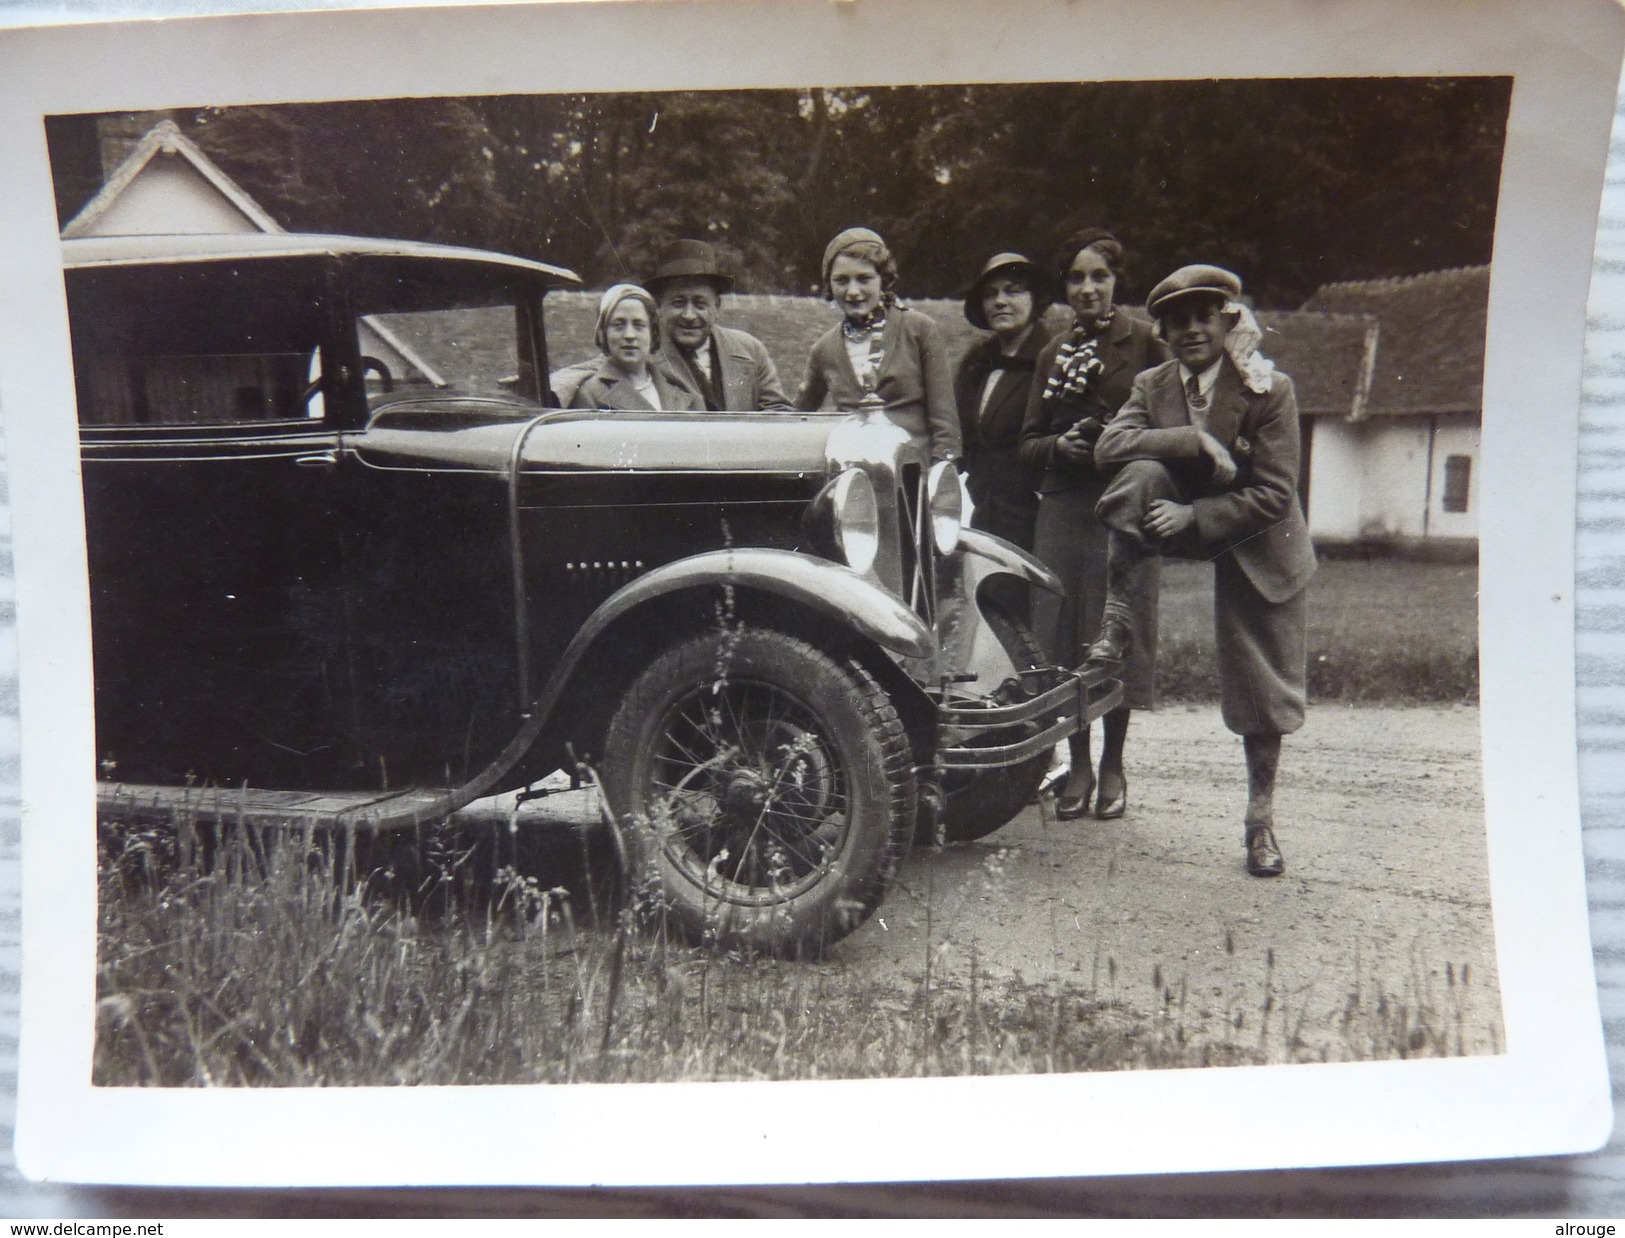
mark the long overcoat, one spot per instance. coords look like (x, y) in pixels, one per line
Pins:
(1002, 487)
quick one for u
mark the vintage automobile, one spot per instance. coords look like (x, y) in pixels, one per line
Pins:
(348, 565)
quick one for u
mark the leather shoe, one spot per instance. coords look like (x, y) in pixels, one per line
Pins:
(1114, 644)
(1071, 807)
(1111, 807)
(1263, 856)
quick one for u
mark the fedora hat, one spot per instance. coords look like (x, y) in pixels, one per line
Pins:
(1189, 281)
(1015, 264)
(688, 259)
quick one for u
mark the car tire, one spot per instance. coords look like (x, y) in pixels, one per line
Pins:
(979, 802)
(765, 791)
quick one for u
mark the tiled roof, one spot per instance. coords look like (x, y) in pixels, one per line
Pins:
(1323, 353)
(1430, 343)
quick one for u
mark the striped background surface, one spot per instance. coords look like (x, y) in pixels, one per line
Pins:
(1589, 1186)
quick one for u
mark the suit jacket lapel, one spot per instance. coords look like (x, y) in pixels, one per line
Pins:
(1224, 419)
(736, 362)
(1167, 399)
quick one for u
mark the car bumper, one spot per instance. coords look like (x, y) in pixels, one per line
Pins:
(989, 734)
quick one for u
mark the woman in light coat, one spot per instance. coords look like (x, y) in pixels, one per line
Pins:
(630, 376)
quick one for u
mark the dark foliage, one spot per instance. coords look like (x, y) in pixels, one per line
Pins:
(1292, 182)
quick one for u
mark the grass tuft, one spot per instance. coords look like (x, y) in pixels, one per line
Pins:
(266, 960)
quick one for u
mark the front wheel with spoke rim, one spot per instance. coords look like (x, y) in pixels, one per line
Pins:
(765, 789)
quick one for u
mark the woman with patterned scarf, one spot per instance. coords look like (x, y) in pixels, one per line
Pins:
(880, 346)
(1084, 376)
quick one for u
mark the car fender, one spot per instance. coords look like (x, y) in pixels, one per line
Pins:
(971, 651)
(987, 555)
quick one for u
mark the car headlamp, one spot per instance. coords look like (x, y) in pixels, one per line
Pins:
(945, 501)
(843, 520)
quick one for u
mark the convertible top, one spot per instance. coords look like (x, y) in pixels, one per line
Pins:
(102, 251)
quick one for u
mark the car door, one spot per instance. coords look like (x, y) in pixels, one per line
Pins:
(208, 433)
(449, 361)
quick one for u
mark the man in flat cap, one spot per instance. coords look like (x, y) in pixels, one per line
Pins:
(727, 369)
(1208, 451)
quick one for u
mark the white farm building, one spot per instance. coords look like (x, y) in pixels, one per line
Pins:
(1391, 379)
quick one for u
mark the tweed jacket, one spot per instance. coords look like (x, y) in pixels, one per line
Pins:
(607, 387)
(991, 433)
(915, 379)
(750, 380)
(1128, 348)
(1257, 518)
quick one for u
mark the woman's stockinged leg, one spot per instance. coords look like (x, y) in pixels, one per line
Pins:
(1113, 799)
(1081, 781)
(1073, 801)
(1115, 727)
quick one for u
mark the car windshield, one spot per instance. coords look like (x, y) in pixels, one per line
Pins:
(445, 329)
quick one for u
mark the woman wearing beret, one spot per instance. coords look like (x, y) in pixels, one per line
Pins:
(880, 346)
(630, 376)
(991, 389)
(1084, 376)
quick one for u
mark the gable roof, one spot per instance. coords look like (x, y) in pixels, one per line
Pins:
(166, 143)
(1325, 355)
(1430, 343)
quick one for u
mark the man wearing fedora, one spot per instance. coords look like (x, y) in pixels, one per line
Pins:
(727, 369)
(1207, 450)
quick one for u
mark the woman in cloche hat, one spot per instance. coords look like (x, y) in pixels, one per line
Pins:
(880, 346)
(630, 375)
(991, 389)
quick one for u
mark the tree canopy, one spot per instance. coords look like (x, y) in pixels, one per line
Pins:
(1291, 182)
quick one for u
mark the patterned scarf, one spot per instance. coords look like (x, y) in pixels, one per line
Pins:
(1078, 361)
(870, 327)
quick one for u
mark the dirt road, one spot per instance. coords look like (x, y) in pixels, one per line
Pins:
(1377, 940)
(1378, 933)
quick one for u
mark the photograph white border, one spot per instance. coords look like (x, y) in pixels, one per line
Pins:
(1548, 1093)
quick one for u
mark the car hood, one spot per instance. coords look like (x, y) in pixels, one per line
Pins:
(483, 434)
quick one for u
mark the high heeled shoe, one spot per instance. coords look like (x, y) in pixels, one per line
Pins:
(1109, 807)
(1072, 807)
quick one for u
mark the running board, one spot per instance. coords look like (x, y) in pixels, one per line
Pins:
(125, 801)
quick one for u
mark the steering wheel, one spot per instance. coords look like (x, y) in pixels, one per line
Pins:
(372, 363)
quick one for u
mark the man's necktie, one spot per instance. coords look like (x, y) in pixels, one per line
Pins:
(1193, 394)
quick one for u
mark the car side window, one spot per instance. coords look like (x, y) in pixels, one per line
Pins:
(197, 344)
(459, 350)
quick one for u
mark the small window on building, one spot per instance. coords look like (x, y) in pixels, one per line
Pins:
(1458, 473)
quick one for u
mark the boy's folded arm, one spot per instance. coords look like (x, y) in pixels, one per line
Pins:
(1131, 436)
(1271, 479)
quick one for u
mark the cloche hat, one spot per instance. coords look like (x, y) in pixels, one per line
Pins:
(1016, 264)
(848, 236)
(690, 259)
(1193, 280)
(612, 297)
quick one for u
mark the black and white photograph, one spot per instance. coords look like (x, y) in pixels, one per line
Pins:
(767, 637)
(816, 578)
